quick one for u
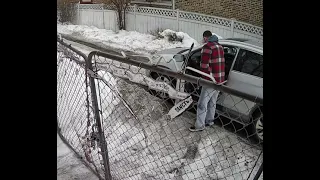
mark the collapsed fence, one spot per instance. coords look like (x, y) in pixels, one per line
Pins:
(116, 115)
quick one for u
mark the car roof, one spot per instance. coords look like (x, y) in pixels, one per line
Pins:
(244, 40)
(238, 39)
(239, 42)
(249, 45)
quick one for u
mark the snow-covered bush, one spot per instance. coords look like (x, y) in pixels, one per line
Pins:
(156, 33)
(172, 36)
(167, 34)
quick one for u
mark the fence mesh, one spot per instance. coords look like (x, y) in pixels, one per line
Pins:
(145, 143)
(143, 139)
(74, 107)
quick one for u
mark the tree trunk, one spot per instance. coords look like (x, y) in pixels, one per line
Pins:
(124, 19)
(120, 19)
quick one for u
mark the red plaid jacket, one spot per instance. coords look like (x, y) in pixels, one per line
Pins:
(212, 60)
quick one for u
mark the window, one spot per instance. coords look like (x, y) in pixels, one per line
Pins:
(195, 59)
(229, 50)
(196, 55)
(250, 63)
(229, 55)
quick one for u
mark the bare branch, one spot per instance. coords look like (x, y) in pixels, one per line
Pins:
(120, 7)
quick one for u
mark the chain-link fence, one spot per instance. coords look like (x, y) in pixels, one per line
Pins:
(144, 113)
(77, 125)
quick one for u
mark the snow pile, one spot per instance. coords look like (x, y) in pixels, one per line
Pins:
(151, 147)
(69, 166)
(107, 98)
(184, 38)
(127, 40)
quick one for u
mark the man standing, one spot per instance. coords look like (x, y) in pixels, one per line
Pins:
(212, 62)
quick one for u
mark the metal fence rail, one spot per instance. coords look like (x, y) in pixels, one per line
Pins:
(124, 110)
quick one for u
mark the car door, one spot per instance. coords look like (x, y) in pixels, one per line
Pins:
(194, 61)
(246, 76)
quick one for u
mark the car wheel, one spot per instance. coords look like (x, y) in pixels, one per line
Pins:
(256, 125)
(162, 78)
(258, 128)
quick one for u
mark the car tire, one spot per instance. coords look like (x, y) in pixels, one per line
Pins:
(257, 126)
(160, 77)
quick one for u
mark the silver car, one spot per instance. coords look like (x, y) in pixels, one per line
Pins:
(244, 72)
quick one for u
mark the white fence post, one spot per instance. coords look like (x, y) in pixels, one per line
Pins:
(104, 26)
(177, 19)
(135, 16)
(116, 22)
(232, 27)
(173, 4)
(78, 18)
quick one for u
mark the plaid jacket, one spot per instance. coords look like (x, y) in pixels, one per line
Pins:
(212, 60)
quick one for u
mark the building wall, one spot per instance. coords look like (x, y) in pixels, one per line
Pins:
(249, 11)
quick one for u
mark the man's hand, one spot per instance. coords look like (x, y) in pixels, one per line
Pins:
(221, 83)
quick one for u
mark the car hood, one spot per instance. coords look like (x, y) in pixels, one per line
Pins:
(172, 51)
(165, 57)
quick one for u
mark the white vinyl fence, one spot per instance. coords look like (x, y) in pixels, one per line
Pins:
(147, 19)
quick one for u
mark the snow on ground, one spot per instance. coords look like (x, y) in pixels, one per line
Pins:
(127, 40)
(70, 167)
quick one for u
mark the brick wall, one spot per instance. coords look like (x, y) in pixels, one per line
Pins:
(250, 11)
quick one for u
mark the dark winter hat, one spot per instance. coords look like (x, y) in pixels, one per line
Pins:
(207, 34)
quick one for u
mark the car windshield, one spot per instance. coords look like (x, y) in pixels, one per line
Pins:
(180, 52)
(178, 57)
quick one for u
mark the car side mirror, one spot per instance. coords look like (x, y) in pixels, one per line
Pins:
(178, 57)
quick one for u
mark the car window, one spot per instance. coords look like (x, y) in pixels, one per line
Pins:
(195, 58)
(182, 51)
(230, 53)
(196, 55)
(230, 50)
(250, 63)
